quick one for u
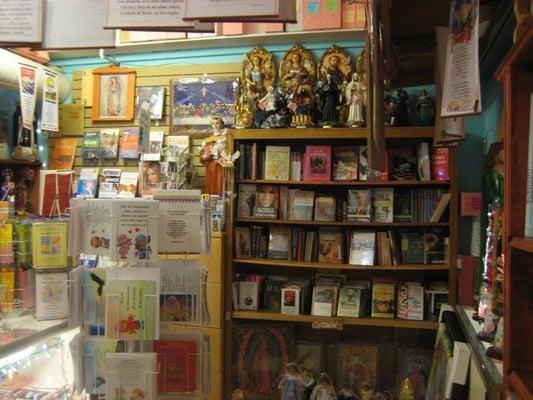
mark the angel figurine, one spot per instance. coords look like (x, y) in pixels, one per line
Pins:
(354, 95)
(324, 390)
(291, 386)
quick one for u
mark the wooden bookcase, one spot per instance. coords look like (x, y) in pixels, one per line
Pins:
(516, 75)
(405, 137)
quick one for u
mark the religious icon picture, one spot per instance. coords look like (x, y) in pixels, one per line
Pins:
(113, 94)
(150, 98)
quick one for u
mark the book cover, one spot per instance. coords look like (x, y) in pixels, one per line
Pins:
(311, 14)
(151, 98)
(357, 366)
(362, 247)
(49, 244)
(410, 301)
(301, 204)
(296, 166)
(246, 200)
(383, 204)
(359, 205)
(94, 293)
(108, 143)
(150, 177)
(178, 147)
(470, 204)
(330, 246)
(134, 237)
(63, 153)
(178, 363)
(317, 163)
(131, 376)
(127, 186)
(55, 191)
(290, 300)
(129, 143)
(278, 242)
(179, 219)
(436, 242)
(248, 293)
(7, 256)
(345, 163)
(266, 202)
(132, 303)
(96, 232)
(402, 164)
(272, 295)
(324, 300)
(349, 302)
(155, 145)
(383, 299)
(440, 167)
(260, 354)
(363, 163)
(423, 161)
(242, 242)
(403, 211)
(330, 17)
(414, 363)
(277, 163)
(51, 295)
(325, 208)
(94, 362)
(90, 146)
(353, 15)
(87, 183)
(109, 184)
(413, 247)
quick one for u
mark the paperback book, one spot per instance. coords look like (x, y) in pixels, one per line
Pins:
(131, 376)
(300, 205)
(266, 202)
(359, 205)
(290, 300)
(109, 183)
(91, 145)
(317, 163)
(87, 183)
(55, 191)
(132, 303)
(349, 302)
(278, 243)
(127, 186)
(178, 361)
(383, 299)
(324, 301)
(277, 163)
(362, 248)
(383, 205)
(246, 200)
(155, 146)
(325, 208)
(330, 248)
(242, 242)
(410, 301)
(402, 164)
(108, 143)
(51, 295)
(63, 153)
(129, 143)
(49, 244)
(345, 163)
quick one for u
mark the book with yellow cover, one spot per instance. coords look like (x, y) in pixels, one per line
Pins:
(49, 244)
(383, 299)
(277, 162)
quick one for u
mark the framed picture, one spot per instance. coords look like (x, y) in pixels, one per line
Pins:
(152, 99)
(194, 101)
(113, 94)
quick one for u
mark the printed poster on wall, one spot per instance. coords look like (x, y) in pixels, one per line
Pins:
(461, 91)
(50, 112)
(27, 90)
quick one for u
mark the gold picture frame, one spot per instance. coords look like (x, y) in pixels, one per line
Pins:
(113, 94)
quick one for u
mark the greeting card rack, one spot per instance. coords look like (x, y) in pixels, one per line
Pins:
(303, 321)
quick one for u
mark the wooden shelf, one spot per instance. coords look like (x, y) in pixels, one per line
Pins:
(349, 267)
(378, 322)
(343, 183)
(414, 132)
(20, 163)
(522, 243)
(337, 223)
(522, 383)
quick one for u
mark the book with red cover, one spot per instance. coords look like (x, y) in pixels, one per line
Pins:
(177, 366)
(467, 279)
(55, 191)
(440, 167)
(311, 14)
(317, 163)
(470, 204)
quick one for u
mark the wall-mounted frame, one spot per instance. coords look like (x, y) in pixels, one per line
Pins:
(113, 94)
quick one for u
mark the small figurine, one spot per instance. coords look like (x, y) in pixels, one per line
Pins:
(8, 184)
(245, 107)
(347, 393)
(407, 392)
(424, 109)
(366, 392)
(211, 157)
(237, 395)
(389, 110)
(355, 94)
(282, 119)
(291, 386)
(324, 390)
(269, 102)
(402, 109)
(330, 98)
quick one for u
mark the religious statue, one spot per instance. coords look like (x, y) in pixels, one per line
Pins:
(402, 108)
(355, 94)
(425, 111)
(330, 99)
(297, 73)
(291, 385)
(258, 74)
(245, 107)
(324, 390)
(335, 62)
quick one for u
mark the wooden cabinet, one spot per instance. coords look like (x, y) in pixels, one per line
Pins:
(516, 75)
(389, 328)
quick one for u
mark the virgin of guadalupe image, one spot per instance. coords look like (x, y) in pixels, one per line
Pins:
(113, 92)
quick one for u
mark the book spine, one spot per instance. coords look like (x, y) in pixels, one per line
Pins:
(528, 223)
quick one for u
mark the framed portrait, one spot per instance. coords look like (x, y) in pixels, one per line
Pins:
(194, 101)
(113, 94)
(151, 98)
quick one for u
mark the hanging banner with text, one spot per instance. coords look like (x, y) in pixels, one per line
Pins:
(28, 94)
(50, 112)
(461, 91)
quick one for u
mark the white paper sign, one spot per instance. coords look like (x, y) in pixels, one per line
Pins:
(146, 14)
(461, 91)
(20, 21)
(27, 89)
(200, 9)
(50, 112)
